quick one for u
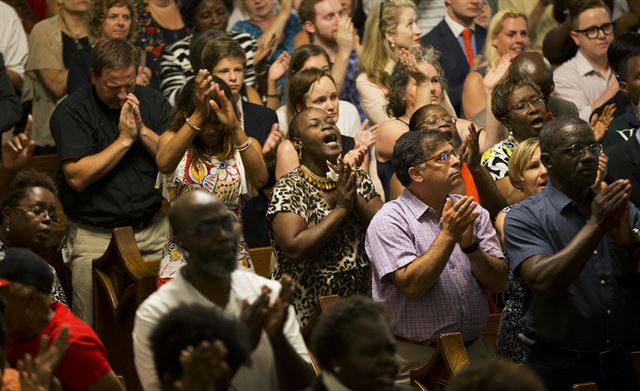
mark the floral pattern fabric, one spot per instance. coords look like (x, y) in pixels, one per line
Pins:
(496, 159)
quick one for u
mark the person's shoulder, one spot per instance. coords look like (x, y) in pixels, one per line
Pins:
(81, 98)
(161, 301)
(530, 206)
(437, 30)
(45, 26)
(248, 285)
(566, 68)
(391, 211)
(255, 109)
(148, 93)
(347, 108)
(181, 44)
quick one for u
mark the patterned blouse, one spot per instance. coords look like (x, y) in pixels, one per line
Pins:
(220, 177)
(57, 293)
(496, 159)
(339, 268)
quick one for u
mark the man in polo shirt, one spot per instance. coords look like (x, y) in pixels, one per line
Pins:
(433, 253)
(107, 136)
(577, 253)
(587, 79)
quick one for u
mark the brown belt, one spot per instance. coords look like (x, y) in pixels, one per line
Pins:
(430, 343)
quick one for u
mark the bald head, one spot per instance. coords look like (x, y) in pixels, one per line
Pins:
(533, 66)
(187, 209)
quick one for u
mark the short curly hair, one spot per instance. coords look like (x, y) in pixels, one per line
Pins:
(397, 95)
(330, 337)
(22, 182)
(98, 13)
(503, 91)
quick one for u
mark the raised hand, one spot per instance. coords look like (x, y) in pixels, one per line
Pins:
(17, 151)
(266, 44)
(279, 67)
(346, 185)
(472, 154)
(225, 111)
(143, 78)
(456, 218)
(204, 368)
(273, 140)
(367, 135)
(600, 123)
(355, 157)
(36, 374)
(493, 76)
(203, 87)
(254, 316)
(606, 205)
(410, 63)
(344, 36)
(278, 311)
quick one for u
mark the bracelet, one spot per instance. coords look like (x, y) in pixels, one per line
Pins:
(192, 126)
(473, 247)
(244, 146)
(273, 95)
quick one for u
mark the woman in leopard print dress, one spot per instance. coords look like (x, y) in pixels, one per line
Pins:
(318, 221)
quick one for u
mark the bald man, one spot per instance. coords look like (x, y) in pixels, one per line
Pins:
(203, 227)
(534, 66)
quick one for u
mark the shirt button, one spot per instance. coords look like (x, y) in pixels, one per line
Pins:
(608, 312)
(595, 252)
(602, 282)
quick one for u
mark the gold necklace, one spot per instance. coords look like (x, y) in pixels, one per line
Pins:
(320, 183)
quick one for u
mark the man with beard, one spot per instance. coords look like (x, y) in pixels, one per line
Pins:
(203, 227)
(577, 252)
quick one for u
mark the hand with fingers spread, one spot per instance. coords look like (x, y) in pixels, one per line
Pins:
(279, 67)
(472, 154)
(355, 157)
(606, 205)
(17, 151)
(204, 367)
(224, 110)
(266, 44)
(458, 218)
(497, 73)
(344, 36)
(277, 313)
(37, 373)
(600, 123)
(254, 316)
(203, 86)
(366, 134)
(273, 140)
(410, 63)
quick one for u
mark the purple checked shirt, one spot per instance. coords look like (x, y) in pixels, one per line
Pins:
(402, 231)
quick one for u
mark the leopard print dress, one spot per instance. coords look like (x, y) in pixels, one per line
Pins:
(341, 267)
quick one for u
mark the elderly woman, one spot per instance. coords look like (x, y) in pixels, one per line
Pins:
(390, 26)
(519, 105)
(319, 219)
(28, 215)
(205, 148)
(507, 37)
(355, 348)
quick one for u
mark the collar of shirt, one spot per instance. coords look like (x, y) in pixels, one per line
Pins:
(417, 206)
(558, 199)
(584, 67)
(332, 383)
(456, 27)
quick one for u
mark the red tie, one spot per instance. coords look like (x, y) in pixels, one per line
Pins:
(466, 38)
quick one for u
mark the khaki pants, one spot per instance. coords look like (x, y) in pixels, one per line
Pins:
(413, 356)
(85, 243)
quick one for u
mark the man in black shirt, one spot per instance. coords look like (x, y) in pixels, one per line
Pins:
(107, 137)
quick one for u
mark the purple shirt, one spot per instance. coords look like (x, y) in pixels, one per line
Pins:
(402, 231)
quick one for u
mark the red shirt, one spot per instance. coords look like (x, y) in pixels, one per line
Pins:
(83, 363)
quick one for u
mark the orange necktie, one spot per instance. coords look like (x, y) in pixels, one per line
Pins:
(466, 38)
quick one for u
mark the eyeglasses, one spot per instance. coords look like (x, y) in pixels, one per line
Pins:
(522, 106)
(433, 119)
(208, 228)
(592, 32)
(443, 157)
(576, 150)
(39, 210)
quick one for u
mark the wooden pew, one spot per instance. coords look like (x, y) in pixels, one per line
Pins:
(490, 331)
(122, 280)
(449, 359)
(261, 258)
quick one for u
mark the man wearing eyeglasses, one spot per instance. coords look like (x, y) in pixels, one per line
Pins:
(576, 249)
(432, 254)
(587, 79)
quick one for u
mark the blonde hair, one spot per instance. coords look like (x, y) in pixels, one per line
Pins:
(377, 51)
(520, 158)
(491, 55)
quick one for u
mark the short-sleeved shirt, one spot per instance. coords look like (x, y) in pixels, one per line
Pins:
(83, 125)
(84, 362)
(595, 312)
(403, 230)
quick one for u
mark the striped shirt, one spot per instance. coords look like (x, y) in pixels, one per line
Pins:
(403, 230)
(175, 67)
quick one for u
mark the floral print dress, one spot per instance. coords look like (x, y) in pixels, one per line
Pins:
(224, 178)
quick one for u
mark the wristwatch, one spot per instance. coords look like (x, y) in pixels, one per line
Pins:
(473, 247)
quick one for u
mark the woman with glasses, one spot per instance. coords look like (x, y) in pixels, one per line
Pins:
(205, 148)
(390, 27)
(506, 38)
(28, 216)
(519, 105)
(319, 213)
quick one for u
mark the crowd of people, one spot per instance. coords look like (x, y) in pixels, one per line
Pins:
(430, 162)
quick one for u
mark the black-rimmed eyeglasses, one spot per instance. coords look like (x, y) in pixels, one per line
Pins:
(592, 32)
(577, 150)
